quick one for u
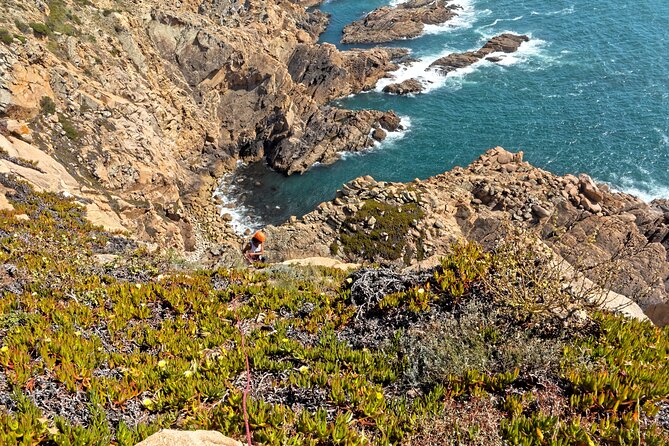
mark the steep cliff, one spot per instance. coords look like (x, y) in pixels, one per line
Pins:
(145, 104)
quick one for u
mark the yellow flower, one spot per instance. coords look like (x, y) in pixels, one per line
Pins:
(303, 369)
(188, 373)
(162, 363)
(147, 402)
(349, 280)
(379, 395)
(421, 290)
(4, 349)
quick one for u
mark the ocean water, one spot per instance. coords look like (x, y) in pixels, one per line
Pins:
(589, 93)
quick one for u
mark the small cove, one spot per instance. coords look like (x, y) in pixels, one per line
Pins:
(589, 93)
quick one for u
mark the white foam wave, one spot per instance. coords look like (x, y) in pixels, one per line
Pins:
(242, 218)
(467, 16)
(432, 79)
(646, 190)
(498, 21)
(419, 70)
(527, 51)
(663, 136)
(565, 11)
(391, 137)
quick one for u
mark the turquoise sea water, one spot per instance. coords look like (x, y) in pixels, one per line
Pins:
(589, 93)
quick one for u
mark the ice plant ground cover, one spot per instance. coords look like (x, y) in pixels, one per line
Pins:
(107, 353)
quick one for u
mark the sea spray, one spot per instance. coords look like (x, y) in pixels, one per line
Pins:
(228, 196)
(432, 79)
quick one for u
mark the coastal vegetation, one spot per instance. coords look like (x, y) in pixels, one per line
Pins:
(388, 226)
(104, 342)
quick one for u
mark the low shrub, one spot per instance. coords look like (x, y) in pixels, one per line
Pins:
(40, 29)
(387, 239)
(60, 18)
(47, 105)
(22, 26)
(70, 130)
(5, 36)
(84, 347)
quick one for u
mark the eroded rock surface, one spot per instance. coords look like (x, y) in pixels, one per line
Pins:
(505, 43)
(404, 21)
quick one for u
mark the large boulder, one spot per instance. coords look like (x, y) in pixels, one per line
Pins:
(168, 437)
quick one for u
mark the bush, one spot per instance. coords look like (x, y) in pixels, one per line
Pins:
(387, 239)
(477, 337)
(5, 36)
(69, 128)
(525, 274)
(60, 18)
(40, 29)
(22, 26)
(47, 105)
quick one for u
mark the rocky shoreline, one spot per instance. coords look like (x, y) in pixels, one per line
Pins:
(504, 43)
(592, 228)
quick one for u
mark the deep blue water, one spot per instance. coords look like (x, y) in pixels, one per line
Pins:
(589, 93)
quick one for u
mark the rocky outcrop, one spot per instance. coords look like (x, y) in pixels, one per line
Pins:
(404, 21)
(614, 239)
(274, 109)
(505, 43)
(145, 108)
(409, 86)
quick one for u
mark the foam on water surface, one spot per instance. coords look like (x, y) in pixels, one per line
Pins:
(432, 79)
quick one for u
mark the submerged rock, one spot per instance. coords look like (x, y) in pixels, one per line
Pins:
(408, 86)
(506, 43)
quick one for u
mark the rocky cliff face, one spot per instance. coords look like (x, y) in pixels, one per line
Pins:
(145, 104)
(613, 238)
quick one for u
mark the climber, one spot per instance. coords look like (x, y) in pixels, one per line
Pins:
(254, 251)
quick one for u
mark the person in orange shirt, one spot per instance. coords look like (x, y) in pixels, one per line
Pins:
(255, 251)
